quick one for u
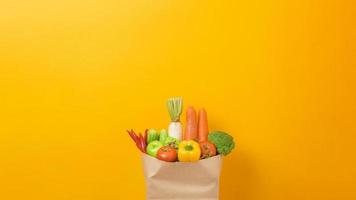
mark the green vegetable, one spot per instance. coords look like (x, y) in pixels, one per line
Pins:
(224, 142)
(163, 135)
(153, 147)
(172, 142)
(168, 140)
(152, 135)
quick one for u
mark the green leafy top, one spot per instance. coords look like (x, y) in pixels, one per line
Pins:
(174, 106)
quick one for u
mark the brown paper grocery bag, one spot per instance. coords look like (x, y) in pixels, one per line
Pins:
(182, 181)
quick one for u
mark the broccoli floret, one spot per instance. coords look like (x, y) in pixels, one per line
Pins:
(224, 142)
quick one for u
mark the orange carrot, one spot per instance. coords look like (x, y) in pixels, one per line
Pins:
(203, 130)
(191, 125)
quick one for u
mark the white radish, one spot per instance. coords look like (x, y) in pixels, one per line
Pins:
(174, 106)
(175, 130)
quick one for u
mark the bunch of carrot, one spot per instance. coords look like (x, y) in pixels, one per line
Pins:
(194, 130)
(139, 139)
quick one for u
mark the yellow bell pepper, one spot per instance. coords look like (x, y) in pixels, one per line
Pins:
(188, 151)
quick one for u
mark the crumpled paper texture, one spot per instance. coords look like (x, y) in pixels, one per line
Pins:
(182, 181)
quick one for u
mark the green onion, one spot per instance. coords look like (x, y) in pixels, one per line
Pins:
(174, 106)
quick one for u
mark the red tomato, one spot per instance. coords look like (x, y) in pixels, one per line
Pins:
(208, 149)
(167, 153)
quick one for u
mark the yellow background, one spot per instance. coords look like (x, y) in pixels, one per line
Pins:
(278, 75)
